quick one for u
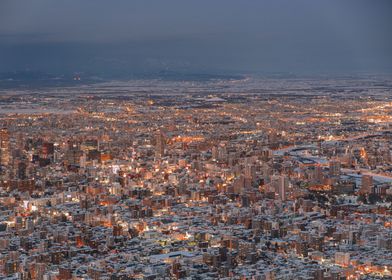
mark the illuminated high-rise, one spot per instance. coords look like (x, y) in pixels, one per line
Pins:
(281, 185)
(4, 147)
(160, 143)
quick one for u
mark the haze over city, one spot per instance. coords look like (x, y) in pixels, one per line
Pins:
(133, 37)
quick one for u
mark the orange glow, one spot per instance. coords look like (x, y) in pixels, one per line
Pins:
(187, 139)
(320, 188)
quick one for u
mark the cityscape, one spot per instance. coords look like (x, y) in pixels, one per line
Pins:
(195, 140)
(251, 178)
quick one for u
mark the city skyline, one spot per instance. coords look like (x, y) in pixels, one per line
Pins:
(195, 140)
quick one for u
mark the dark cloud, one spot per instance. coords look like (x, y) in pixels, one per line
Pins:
(222, 35)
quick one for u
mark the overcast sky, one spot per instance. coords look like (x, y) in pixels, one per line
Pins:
(114, 36)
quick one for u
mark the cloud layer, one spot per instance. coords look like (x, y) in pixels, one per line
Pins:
(304, 36)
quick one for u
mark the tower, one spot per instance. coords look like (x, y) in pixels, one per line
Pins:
(160, 143)
(4, 147)
(250, 171)
(281, 185)
(318, 174)
(366, 184)
(334, 168)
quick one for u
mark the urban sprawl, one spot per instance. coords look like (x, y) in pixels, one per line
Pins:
(253, 178)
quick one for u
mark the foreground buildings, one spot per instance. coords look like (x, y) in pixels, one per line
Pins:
(248, 179)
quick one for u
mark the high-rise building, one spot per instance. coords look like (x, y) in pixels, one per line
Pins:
(214, 153)
(47, 150)
(366, 184)
(334, 168)
(160, 143)
(281, 184)
(342, 258)
(250, 171)
(4, 147)
(318, 174)
(73, 154)
(21, 171)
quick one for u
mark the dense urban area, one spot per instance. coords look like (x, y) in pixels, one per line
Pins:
(253, 178)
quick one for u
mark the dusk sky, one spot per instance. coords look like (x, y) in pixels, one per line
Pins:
(111, 37)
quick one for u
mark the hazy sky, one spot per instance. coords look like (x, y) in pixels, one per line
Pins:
(115, 36)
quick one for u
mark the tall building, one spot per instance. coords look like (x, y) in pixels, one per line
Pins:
(21, 170)
(47, 150)
(334, 168)
(281, 184)
(73, 154)
(222, 153)
(4, 147)
(160, 143)
(318, 174)
(250, 171)
(342, 258)
(366, 184)
(214, 153)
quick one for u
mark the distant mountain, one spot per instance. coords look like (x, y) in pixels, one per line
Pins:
(21, 79)
(36, 79)
(184, 76)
